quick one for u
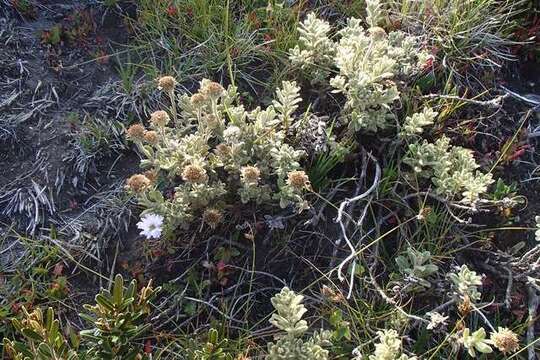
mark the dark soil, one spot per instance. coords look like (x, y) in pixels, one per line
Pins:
(51, 79)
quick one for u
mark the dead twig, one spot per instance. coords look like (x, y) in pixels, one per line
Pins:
(494, 103)
(343, 224)
(533, 305)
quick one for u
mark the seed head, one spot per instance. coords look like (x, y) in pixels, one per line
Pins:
(298, 180)
(505, 340)
(197, 99)
(242, 357)
(194, 174)
(223, 150)
(138, 183)
(160, 118)
(135, 132)
(377, 32)
(332, 295)
(250, 175)
(151, 137)
(213, 89)
(212, 217)
(151, 175)
(212, 121)
(166, 83)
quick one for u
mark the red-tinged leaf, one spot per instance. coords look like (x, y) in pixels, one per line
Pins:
(158, 253)
(493, 308)
(221, 266)
(517, 298)
(15, 307)
(516, 155)
(172, 10)
(487, 281)
(148, 346)
(428, 65)
(58, 269)
(102, 57)
(73, 204)
(519, 313)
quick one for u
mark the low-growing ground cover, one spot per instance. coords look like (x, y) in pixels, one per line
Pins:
(248, 179)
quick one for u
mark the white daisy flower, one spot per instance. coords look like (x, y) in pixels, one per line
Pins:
(150, 226)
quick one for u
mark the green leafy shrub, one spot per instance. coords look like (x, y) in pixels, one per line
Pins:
(452, 169)
(213, 349)
(388, 347)
(368, 61)
(466, 282)
(117, 324)
(42, 338)
(288, 318)
(216, 154)
(417, 265)
(117, 320)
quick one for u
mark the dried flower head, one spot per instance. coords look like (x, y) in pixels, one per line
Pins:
(213, 89)
(242, 357)
(166, 83)
(151, 137)
(298, 180)
(135, 132)
(212, 217)
(151, 175)
(505, 340)
(250, 175)
(197, 99)
(223, 150)
(465, 306)
(212, 121)
(377, 33)
(332, 295)
(194, 174)
(138, 183)
(160, 118)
